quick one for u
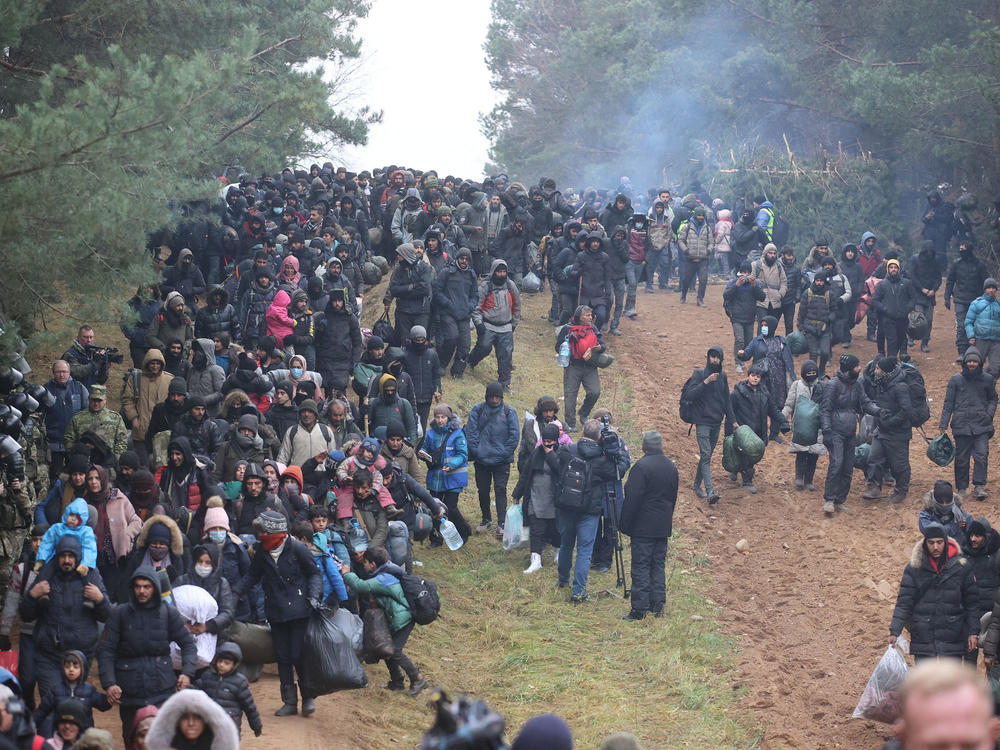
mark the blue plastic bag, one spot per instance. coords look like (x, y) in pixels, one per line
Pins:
(514, 533)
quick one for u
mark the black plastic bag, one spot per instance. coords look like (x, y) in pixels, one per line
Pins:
(329, 653)
(378, 638)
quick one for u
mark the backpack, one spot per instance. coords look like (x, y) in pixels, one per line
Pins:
(421, 598)
(687, 410)
(573, 485)
(918, 393)
(323, 430)
(781, 231)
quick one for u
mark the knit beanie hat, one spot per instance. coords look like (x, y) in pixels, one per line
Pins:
(78, 463)
(177, 387)
(943, 491)
(652, 441)
(443, 409)
(494, 389)
(287, 387)
(309, 405)
(848, 362)
(158, 532)
(271, 522)
(887, 364)
(395, 429)
(935, 530)
(550, 432)
(129, 459)
(216, 517)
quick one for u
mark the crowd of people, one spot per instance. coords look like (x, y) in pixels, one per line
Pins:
(276, 455)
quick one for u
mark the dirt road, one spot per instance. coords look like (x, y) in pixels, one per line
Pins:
(812, 601)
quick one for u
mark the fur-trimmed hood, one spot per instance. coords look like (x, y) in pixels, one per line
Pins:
(161, 733)
(929, 500)
(176, 540)
(954, 550)
(228, 404)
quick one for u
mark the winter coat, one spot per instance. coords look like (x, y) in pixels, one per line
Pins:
(724, 232)
(896, 414)
(618, 254)
(207, 381)
(813, 393)
(205, 437)
(231, 453)
(965, 280)
(740, 300)
(868, 261)
(454, 454)
(940, 227)
(982, 321)
(639, 245)
(82, 691)
(176, 563)
(220, 730)
(752, 407)
(745, 241)
(493, 434)
(299, 444)
(937, 602)
(381, 413)
(456, 292)
(969, 404)
(612, 216)
(538, 464)
(135, 331)
(411, 287)
(289, 582)
(601, 471)
(498, 308)
(253, 311)
(279, 322)
(925, 274)
(756, 350)
(134, 652)
(955, 521)
(650, 497)
(216, 584)
(661, 233)
(592, 273)
(388, 592)
(894, 298)
(217, 316)
(231, 691)
(512, 246)
(338, 346)
(843, 402)
(167, 326)
(773, 280)
(712, 401)
(855, 276)
(64, 623)
(142, 392)
(70, 397)
(187, 280)
(696, 242)
(424, 369)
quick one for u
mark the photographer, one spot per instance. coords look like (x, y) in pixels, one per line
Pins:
(614, 447)
(87, 363)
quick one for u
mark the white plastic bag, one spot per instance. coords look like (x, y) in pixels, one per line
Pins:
(515, 534)
(531, 283)
(880, 699)
(195, 605)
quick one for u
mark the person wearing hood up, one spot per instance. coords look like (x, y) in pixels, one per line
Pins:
(456, 292)
(338, 342)
(73, 692)
(591, 271)
(227, 686)
(982, 326)
(391, 406)
(496, 315)
(217, 316)
(893, 430)
(937, 599)
(186, 485)
(944, 507)
(406, 224)
(185, 278)
(243, 443)
(926, 277)
(134, 668)
(697, 244)
(773, 356)
(618, 259)
(840, 291)
(207, 573)
(970, 404)
(983, 552)
(817, 312)
(966, 277)
(939, 227)
(892, 302)
(142, 392)
(806, 456)
(172, 322)
(411, 285)
(279, 323)
(334, 278)
(855, 275)
(143, 307)
(706, 396)
(739, 300)
(254, 304)
(564, 276)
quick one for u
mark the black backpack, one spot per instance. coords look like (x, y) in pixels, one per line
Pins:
(918, 393)
(688, 409)
(573, 485)
(421, 598)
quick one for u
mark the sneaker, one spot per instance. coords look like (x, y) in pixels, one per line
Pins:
(799, 483)
(749, 486)
(872, 492)
(828, 508)
(733, 477)
(896, 497)
(701, 303)
(578, 598)
(418, 686)
(713, 497)
(484, 526)
(684, 298)
(841, 508)
(633, 616)
(603, 568)
(979, 492)
(499, 531)
(810, 487)
(394, 686)
(925, 349)
(614, 331)
(699, 491)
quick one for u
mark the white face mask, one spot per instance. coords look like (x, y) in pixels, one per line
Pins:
(203, 571)
(764, 330)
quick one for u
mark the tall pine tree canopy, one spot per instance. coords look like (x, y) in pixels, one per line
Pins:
(113, 111)
(594, 90)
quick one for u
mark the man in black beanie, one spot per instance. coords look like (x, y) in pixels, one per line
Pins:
(893, 430)
(844, 400)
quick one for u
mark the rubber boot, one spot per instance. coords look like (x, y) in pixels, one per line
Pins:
(308, 704)
(289, 700)
(535, 564)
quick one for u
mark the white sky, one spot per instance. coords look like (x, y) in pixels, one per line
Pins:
(423, 65)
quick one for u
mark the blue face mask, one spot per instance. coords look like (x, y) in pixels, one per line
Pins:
(276, 209)
(297, 372)
(217, 536)
(763, 330)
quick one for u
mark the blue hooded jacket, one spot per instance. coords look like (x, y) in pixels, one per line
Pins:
(88, 542)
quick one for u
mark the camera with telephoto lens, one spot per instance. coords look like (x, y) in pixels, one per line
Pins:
(609, 438)
(111, 354)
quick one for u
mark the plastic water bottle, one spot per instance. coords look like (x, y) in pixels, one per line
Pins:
(563, 357)
(357, 536)
(451, 536)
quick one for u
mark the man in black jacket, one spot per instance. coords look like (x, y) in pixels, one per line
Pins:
(937, 599)
(456, 292)
(647, 517)
(926, 278)
(134, 653)
(739, 300)
(706, 395)
(965, 282)
(411, 286)
(893, 430)
(969, 406)
(892, 302)
(843, 401)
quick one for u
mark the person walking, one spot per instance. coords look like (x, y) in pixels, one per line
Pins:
(493, 433)
(705, 402)
(647, 518)
(970, 404)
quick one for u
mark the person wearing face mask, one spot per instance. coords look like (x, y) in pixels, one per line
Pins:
(770, 275)
(207, 573)
(772, 355)
(944, 507)
(844, 401)
(806, 456)
(422, 365)
(970, 404)
(892, 302)
(243, 443)
(411, 285)
(389, 406)
(161, 547)
(706, 396)
(817, 311)
(893, 430)
(233, 560)
(966, 277)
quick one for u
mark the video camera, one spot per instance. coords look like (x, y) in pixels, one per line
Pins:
(464, 724)
(110, 353)
(609, 442)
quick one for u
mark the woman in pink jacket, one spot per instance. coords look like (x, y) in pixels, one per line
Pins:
(116, 528)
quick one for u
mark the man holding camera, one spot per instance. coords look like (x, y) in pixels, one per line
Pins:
(87, 363)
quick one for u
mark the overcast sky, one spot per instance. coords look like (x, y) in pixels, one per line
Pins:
(423, 65)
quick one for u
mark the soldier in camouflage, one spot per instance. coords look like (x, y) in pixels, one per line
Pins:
(100, 420)
(15, 521)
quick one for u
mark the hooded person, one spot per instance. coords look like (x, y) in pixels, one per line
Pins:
(772, 353)
(279, 323)
(230, 688)
(970, 404)
(302, 339)
(937, 598)
(966, 277)
(338, 342)
(770, 275)
(493, 432)
(926, 277)
(456, 294)
(806, 456)
(117, 525)
(391, 406)
(202, 431)
(411, 286)
(143, 391)
(146, 496)
(546, 411)
(161, 547)
(172, 322)
(537, 487)
(855, 276)
(187, 484)
(496, 315)
(335, 279)
(706, 401)
(893, 429)
(942, 506)
(254, 304)
(983, 550)
(205, 378)
(175, 358)
(817, 314)
(243, 443)
(591, 272)
(192, 720)
(255, 498)
(207, 573)
(165, 416)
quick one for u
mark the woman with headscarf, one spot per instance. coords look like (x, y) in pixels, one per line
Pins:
(771, 353)
(117, 526)
(160, 546)
(207, 573)
(141, 722)
(806, 456)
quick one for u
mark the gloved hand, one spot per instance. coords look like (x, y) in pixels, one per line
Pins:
(315, 604)
(480, 329)
(258, 732)
(5, 643)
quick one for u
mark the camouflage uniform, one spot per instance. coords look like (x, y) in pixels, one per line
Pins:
(15, 522)
(108, 424)
(35, 448)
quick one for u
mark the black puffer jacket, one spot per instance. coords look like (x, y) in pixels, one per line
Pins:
(650, 496)
(512, 245)
(231, 691)
(456, 291)
(893, 298)
(134, 652)
(215, 584)
(985, 563)
(592, 267)
(939, 606)
(965, 279)
(892, 396)
(338, 346)
(65, 624)
(740, 300)
(926, 274)
(842, 403)
(289, 583)
(617, 250)
(712, 402)
(218, 316)
(752, 407)
(602, 470)
(970, 402)
(424, 368)
(411, 287)
(793, 281)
